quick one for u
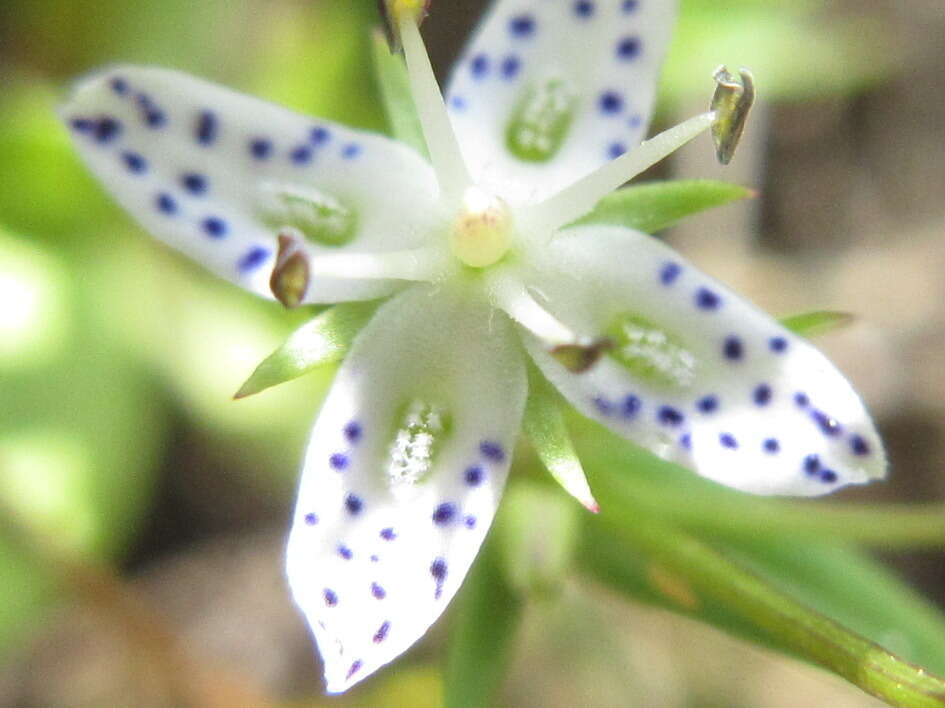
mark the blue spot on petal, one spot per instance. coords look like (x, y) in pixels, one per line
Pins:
(778, 344)
(119, 85)
(458, 103)
(301, 155)
(106, 130)
(610, 102)
(311, 519)
(811, 465)
(378, 592)
(762, 395)
(444, 513)
(381, 634)
(584, 8)
(771, 446)
(206, 129)
(669, 273)
(166, 204)
(331, 598)
(707, 299)
(355, 668)
(194, 183)
(630, 407)
(686, 441)
(629, 5)
(214, 227)
(260, 148)
(339, 461)
(511, 65)
(345, 552)
(615, 150)
(353, 431)
(253, 259)
(801, 399)
(492, 451)
(134, 162)
(351, 151)
(628, 48)
(522, 26)
(733, 349)
(319, 135)
(388, 534)
(470, 522)
(828, 476)
(828, 426)
(603, 405)
(667, 415)
(473, 476)
(82, 125)
(354, 504)
(728, 440)
(708, 404)
(479, 66)
(859, 446)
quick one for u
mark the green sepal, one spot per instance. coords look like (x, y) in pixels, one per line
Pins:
(655, 206)
(813, 324)
(545, 428)
(323, 340)
(537, 532)
(390, 72)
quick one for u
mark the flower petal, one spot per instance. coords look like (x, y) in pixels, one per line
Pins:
(548, 91)
(216, 174)
(698, 374)
(403, 475)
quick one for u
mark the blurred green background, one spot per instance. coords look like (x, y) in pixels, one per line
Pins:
(120, 444)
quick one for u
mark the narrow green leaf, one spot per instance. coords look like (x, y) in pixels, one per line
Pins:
(487, 615)
(686, 574)
(390, 72)
(544, 426)
(657, 205)
(323, 340)
(813, 324)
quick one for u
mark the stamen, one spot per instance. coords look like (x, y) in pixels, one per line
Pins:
(296, 266)
(576, 354)
(576, 200)
(437, 129)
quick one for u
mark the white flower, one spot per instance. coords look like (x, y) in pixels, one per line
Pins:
(409, 455)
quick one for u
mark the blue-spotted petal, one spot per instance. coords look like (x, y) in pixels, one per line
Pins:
(546, 92)
(699, 375)
(217, 174)
(403, 475)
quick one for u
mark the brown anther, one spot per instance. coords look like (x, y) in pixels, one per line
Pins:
(580, 357)
(734, 96)
(290, 276)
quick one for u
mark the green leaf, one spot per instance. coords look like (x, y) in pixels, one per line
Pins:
(544, 426)
(655, 561)
(657, 205)
(324, 340)
(486, 617)
(813, 324)
(391, 74)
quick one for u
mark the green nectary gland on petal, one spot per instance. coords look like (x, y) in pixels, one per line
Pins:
(650, 352)
(540, 122)
(421, 429)
(319, 217)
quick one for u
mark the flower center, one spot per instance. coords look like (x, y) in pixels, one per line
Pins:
(481, 233)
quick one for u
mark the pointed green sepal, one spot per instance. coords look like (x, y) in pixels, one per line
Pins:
(390, 72)
(652, 207)
(323, 340)
(544, 425)
(812, 324)
(537, 531)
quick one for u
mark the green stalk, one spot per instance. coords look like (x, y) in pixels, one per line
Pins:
(694, 573)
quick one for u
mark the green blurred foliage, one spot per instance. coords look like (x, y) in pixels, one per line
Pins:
(114, 340)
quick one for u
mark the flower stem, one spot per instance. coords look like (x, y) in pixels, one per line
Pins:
(694, 573)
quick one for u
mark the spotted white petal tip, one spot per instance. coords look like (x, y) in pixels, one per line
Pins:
(699, 375)
(402, 477)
